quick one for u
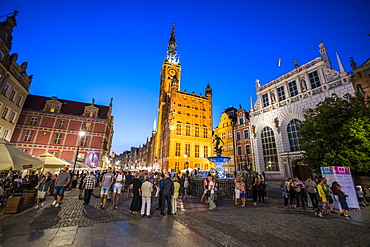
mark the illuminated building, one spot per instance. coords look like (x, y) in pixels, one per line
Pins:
(14, 81)
(51, 125)
(281, 104)
(184, 132)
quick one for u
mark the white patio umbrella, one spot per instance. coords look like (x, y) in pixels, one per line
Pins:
(13, 157)
(50, 161)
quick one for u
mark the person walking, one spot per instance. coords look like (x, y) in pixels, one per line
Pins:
(80, 185)
(322, 196)
(176, 191)
(298, 186)
(146, 196)
(106, 183)
(61, 183)
(43, 187)
(117, 187)
(290, 187)
(261, 191)
(211, 186)
(167, 192)
(255, 191)
(136, 190)
(89, 184)
(284, 193)
(312, 192)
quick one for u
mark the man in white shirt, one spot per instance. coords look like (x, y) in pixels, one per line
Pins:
(119, 182)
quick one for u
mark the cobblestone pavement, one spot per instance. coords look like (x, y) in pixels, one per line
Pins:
(76, 225)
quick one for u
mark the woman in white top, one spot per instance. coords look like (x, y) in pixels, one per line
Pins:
(211, 188)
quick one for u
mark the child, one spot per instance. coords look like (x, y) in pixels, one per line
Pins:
(360, 196)
(342, 201)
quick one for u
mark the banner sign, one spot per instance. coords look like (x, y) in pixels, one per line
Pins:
(27, 166)
(342, 174)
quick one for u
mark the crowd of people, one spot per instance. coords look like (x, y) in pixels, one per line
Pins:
(297, 194)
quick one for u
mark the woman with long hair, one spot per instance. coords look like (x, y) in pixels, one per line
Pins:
(43, 187)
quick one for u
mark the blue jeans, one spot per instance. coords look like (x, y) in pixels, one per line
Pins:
(166, 198)
(314, 200)
(59, 190)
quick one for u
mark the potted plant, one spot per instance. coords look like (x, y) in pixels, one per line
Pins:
(14, 203)
(29, 198)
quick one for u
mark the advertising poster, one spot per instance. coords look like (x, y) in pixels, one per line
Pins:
(342, 174)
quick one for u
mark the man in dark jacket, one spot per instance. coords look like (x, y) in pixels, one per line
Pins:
(167, 192)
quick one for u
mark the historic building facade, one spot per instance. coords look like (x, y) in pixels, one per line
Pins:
(184, 132)
(51, 125)
(225, 130)
(361, 77)
(14, 81)
(280, 108)
(243, 153)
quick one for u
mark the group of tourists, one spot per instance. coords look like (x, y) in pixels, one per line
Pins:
(296, 193)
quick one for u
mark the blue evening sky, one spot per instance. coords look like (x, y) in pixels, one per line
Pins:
(79, 50)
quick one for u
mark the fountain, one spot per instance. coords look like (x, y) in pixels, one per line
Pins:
(218, 159)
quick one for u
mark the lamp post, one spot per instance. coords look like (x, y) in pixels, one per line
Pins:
(80, 134)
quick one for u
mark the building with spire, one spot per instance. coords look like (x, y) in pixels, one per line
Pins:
(278, 113)
(184, 133)
(14, 81)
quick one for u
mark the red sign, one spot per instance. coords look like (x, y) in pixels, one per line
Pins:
(27, 166)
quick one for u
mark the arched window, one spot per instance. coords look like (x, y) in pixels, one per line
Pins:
(293, 134)
(269, 150)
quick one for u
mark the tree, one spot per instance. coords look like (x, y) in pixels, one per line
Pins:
(337, 132)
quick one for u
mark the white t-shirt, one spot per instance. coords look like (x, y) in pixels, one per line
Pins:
(211, 183)
(120, 178)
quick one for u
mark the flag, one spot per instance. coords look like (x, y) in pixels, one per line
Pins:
(279, 61)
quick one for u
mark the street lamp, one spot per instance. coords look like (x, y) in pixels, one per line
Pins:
(80, 134)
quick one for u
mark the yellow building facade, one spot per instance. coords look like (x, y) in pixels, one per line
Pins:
(225, 131)
(184, 131)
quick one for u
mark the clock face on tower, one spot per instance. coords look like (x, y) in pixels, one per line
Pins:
(172, 72)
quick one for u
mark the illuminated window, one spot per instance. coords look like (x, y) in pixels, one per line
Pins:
(52, 109)
(178, 149)
(187, 129)
(33, 121)
(81, 157)
(314, 80)
(293, 134)
(205, 151)
(178, 129)
(293, 88)
(87, 126)
(187, 150)
(196, 150)
(177, 166)
(28, 136)
(58, 138)
(196, 131)
(281, 93)
(269, 150)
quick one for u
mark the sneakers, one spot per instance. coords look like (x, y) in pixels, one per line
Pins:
(42, 204)
(347, 217)
(54, 202)
(37, 206)
(57, 205)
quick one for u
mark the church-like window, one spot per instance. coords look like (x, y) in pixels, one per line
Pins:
(269, 150)
(293, 134)
(314, 80)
